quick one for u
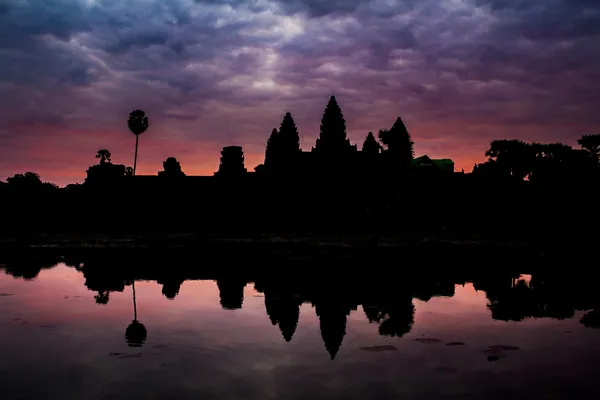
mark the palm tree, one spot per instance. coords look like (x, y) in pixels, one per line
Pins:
(137, 123)
(135, 334)
(104, 156)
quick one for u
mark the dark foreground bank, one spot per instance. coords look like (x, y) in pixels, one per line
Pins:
(286, 252)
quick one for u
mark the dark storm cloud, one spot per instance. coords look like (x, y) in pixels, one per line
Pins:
(232, 62)
(547, 20)
(22, 21)
(320, 8)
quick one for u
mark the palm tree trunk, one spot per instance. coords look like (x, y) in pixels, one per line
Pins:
(134, 305)
(137, 137)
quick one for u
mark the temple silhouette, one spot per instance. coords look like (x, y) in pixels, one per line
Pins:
(334, 186)
(333, 154)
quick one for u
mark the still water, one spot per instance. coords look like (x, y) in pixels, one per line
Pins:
(61, 340)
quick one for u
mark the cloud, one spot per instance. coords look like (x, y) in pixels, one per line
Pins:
(216, 72)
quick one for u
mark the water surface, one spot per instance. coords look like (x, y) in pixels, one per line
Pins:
(61, 337)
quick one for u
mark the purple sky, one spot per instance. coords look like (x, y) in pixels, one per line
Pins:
(211, 73)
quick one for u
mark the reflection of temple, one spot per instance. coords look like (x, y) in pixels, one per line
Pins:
(387, 303)
(231, 293)
(283, 310)
(332, 154)
(105, 173)
(170, 287)
(544, 296)
(332, 322)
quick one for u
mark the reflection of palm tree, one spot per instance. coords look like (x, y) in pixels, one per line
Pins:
(102, 297)
(136, 333)
(137, 123)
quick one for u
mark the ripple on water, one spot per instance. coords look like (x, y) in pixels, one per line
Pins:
(379, 348)
(427, 340)
(500, 347)
(496, 352)
(446, 370)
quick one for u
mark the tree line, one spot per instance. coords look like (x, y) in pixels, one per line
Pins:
(538, 161)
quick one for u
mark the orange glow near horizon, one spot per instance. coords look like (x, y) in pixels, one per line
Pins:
(67, 164)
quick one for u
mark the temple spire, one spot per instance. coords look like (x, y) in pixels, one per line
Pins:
(332, 137)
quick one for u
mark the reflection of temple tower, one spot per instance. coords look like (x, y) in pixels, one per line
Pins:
(288, 320)
(283, 310)
(231, 293)
(232, 161)
(332, 321)
(171, 288)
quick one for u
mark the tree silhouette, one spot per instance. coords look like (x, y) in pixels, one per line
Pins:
(172, 168)
(398, 320)
(557, 160)
(128, 171)
(137, 123)
(332, 137)
(371, 147)
(373, 313)
(104, 156)
(399, 145)
(591, 319)
(26, 180)
(555, 152)
(591, 143)
(514, 157)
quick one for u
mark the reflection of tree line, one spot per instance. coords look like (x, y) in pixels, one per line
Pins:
(387, 304)
(547, 295)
